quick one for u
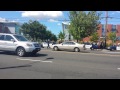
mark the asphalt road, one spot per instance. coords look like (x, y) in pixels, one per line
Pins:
(50, 64)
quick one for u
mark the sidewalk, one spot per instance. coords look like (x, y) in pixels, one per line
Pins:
(104, 51)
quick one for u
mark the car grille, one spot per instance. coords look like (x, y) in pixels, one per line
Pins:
(36, 45)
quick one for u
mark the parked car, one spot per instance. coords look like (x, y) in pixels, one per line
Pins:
(18, 44)
(68, 45)
(87, 45)
(118, 46)
(113, 47)
(45, 44)
(94, 46)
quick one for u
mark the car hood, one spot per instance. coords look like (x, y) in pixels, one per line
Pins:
(29, 42)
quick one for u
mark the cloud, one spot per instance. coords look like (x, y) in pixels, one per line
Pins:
(113, 13)
(42, 14)
(58, 24)
(2, 19)
(5, 20)
(118, 11)
(52, 20)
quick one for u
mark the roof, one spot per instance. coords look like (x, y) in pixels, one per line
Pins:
(10, 22)
(7, 34)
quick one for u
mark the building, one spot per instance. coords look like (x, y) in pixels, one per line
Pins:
(101, 31)
(110, 28)
(9, 27)
(68, 37)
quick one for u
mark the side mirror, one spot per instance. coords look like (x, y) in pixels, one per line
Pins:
(13, 40)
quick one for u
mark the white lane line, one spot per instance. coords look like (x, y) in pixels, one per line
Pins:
(34, 60)
(118, 68)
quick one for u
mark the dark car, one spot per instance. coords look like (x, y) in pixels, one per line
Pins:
(112, 47)
(94, 46)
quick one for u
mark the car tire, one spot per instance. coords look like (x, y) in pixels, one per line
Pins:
(55, 48)
(20, 52)
(77, 50)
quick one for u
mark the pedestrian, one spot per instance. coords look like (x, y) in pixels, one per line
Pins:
(102, 45)
(48, 44)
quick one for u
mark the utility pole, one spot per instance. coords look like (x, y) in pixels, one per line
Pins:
(106, 27)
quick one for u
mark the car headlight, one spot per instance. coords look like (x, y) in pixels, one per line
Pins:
(29, 45)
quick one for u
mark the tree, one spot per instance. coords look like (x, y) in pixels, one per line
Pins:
(37, 31)
(112, 36)
(53, 38)
(34, 29)
(61, 35)
(94, 37)
(83, 24)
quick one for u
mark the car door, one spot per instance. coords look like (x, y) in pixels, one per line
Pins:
(64, 46)
(2, 42)
(10, 45)
(71, 46)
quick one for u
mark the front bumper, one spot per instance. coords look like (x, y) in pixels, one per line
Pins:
(32, 49)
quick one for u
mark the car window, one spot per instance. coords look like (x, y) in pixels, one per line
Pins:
(71, 43)
(20, 38)
(65, 43)
(2, 37)
(8, 38)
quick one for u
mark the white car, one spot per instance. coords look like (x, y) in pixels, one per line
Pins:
(68, 45)
(18, 44)
(45, 44)
(87, 45)
(118, 46)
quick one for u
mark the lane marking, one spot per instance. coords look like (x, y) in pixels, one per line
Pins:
(34, 60)
(118, 68)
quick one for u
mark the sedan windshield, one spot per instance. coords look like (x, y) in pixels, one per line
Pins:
(20, 38)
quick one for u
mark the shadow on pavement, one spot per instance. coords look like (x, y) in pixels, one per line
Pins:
(28, 55)
(8, 53)
(20, 66)
(16, 66)
(37, 55)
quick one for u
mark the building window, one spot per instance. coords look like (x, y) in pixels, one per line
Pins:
(66, 27)
(113, 28)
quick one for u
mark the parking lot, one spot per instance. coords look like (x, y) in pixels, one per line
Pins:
(48, 64)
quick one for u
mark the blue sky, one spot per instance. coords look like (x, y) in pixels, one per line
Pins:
(51, 19)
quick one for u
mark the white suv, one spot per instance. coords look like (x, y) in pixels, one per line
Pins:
(18, 44)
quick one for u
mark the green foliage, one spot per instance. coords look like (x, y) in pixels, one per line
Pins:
(37, 31)
(83, 24)
(112, 36)
(94, 37)
(61, 35)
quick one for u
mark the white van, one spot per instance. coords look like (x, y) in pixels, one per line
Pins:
(18, 44)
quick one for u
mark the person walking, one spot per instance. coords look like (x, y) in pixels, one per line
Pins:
(48, 44)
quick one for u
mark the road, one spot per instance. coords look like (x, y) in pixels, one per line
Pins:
(50, 64)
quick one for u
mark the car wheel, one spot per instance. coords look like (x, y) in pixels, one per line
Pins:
(21, 52)
(76, 49)
(56, 48)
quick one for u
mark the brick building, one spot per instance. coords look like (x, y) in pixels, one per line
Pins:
(101, 31)
(110, 28)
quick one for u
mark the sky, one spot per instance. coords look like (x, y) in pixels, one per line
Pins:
(52, 19)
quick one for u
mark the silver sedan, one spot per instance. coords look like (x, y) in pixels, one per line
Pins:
(69, 45)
